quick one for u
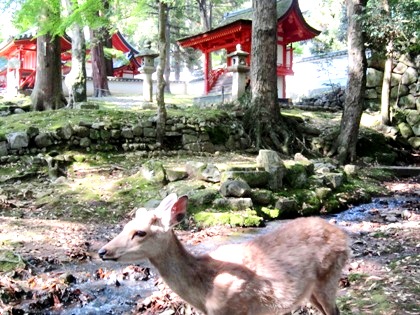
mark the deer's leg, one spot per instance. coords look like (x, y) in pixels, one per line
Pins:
(316, 304)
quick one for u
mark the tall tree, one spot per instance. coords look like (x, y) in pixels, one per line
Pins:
(48, 92)
(163, 50)
(264, 122)
(101, 66)
(76, 78)
(345, 145)
(99, 63)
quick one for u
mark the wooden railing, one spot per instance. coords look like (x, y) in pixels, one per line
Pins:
(27, 79)
(214, 75)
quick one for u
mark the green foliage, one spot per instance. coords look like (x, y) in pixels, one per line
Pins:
(329, 17)
(400, 25)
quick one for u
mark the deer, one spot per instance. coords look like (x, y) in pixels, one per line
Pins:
(273, 273)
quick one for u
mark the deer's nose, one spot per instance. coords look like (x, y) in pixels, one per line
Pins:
(102, 253)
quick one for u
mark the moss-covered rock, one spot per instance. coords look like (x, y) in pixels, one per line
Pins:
(270, 213)
(246, 218)
(10, 261)
(296, 176)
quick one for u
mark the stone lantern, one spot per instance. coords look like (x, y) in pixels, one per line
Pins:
(147, 67)
(239, 70)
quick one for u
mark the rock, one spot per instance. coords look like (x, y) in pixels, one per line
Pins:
(81, 131)
(262, 196)
(323, 192)
(407, 101)
(233, 203)
(153, 171)
(235, 188)
(400, 68)
(334, 180)
(410, 76)
(308, 164)
(65, 132)
(17, 140)
(245, 218)
(85, 142)
(127, 133)
(193, 168)
(3, 148)
(350, 169)
(209, 173)
(412, 117)
(287, 206)
(138, 130)
(202, 196)
(176, 174)
(414, 142)
(32, 132)
(43, 140)
(416, 129)
(395, 79)
(398, 91)
(371, 94)
(373, 77)
(254, 178)
(295, 176)
(273, 164)
(405, 130)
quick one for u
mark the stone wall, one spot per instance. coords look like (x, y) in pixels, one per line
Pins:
(405, 90)
(182, 134)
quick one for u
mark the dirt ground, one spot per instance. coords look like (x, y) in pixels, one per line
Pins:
(381, 278)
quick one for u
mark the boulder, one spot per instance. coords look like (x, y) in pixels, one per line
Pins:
(209, 173)
(43, 140)
(17, 140)
(408, 101)
(273, 164)
(414, 142)
(410, 76)
(176, 174)
(153, 171)
(254, 178)
(233, 203)
(400, 68)
(373, 77)
(3, 148)
(65, 132)
(235, 188)
(405, 130)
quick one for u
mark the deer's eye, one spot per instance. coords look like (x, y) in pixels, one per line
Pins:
(139, 233)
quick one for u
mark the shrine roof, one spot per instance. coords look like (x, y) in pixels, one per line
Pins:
(289, 19)
(246, 14)
(27, 41)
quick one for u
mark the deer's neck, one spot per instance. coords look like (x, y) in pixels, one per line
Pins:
(187, 275)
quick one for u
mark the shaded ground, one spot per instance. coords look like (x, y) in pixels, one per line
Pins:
(381, 278)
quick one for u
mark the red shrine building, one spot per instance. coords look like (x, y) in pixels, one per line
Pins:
(236, 29)
(20, 52)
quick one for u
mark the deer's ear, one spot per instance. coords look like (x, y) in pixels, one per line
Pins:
(176, 213)
(166, 203)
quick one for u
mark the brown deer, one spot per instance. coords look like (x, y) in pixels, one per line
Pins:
(272, 274)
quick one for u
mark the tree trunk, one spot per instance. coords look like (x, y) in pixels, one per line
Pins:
(386, 83)
(345, 145)
(177, 59)
(76, 78)
(48, 91)
(204, 10)
(99, 68)
(263, 120)
(168, 55)
(160, 97)
(386, 87)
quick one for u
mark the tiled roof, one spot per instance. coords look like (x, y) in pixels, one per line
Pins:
(246, 14)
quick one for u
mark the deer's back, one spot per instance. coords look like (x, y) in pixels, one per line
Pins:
(284, 266)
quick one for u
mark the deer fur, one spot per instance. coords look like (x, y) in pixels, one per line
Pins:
(271, 274)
